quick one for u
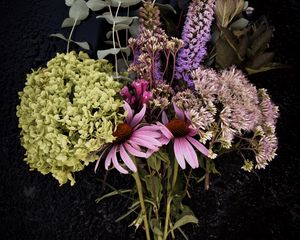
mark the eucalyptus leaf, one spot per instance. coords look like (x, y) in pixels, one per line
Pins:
(113, 193)
(83, 45)
(103, 53)
(124, 3)
(239, 24)
(184, 220)
(96, 5)
(134, 28)
(59, 35)
(69, 22)
(79, 10)
(118, 27)
(114, 20)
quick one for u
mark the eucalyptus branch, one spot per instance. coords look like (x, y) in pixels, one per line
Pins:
(71, 33)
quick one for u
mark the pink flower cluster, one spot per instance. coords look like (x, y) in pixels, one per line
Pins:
(137, 93)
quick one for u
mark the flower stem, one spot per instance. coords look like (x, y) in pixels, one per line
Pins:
(206, 181)
(70, 36)
(143, 207)
(170, 198)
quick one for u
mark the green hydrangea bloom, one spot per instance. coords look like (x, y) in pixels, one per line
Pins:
(68, 111)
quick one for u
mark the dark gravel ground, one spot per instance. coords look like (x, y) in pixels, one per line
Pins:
(259, 206)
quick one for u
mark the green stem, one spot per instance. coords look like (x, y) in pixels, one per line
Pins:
(70, 36)
(170, 198)
(143, 207)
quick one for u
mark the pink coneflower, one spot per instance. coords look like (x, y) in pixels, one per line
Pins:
(132, 139)
(181, 132)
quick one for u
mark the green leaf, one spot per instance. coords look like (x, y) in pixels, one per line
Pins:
(154, 186)
(269, 67)
(69, 22)
(96, 5)
(260, 44)
(59, 35)
(113, 193)
(183, 234)
(79, 10)
(166, 7)
(262, 60)
(154, 162)
(114, 20)
(83, 45)
(155, 227)
(184, 220)
(230, 38)
(127, 214)
(225, 55)
(239, 24)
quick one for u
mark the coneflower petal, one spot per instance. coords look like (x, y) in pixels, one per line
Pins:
(129, 111)
(178, 153)
(127, 160)
(115, 161)
(138, 117)
(133, 151)
(164, 118)
(198, 145)
(179, 112)
(189, 153)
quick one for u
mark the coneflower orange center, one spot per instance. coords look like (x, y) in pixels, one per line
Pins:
(178, 128)
(122, 133)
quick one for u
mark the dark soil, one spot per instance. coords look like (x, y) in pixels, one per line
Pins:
(258, 206)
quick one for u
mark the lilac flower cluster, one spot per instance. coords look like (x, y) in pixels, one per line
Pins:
(195, 34)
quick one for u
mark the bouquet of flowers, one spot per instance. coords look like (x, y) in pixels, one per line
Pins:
(175, 100)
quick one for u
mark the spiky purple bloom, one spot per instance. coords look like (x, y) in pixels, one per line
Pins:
(195, 34)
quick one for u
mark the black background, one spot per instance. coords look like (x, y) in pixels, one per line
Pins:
(261, 205)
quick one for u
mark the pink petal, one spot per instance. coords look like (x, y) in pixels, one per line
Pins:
(192, 132)
(129, 111)
(134, 151)
(198, 145)
(116, 163)
(138, 117)
(165, 131)
(148, 139)
(179, 112)
(127, 160)
(178, 153)
(189, 153)
(109, 156)
(142, 143)
(143, 134)
(164, 118)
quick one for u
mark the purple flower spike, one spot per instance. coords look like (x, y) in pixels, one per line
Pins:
(195, 34)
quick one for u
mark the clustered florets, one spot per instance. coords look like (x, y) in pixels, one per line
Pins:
(67, 111)
(225, 106)
(195, 34)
